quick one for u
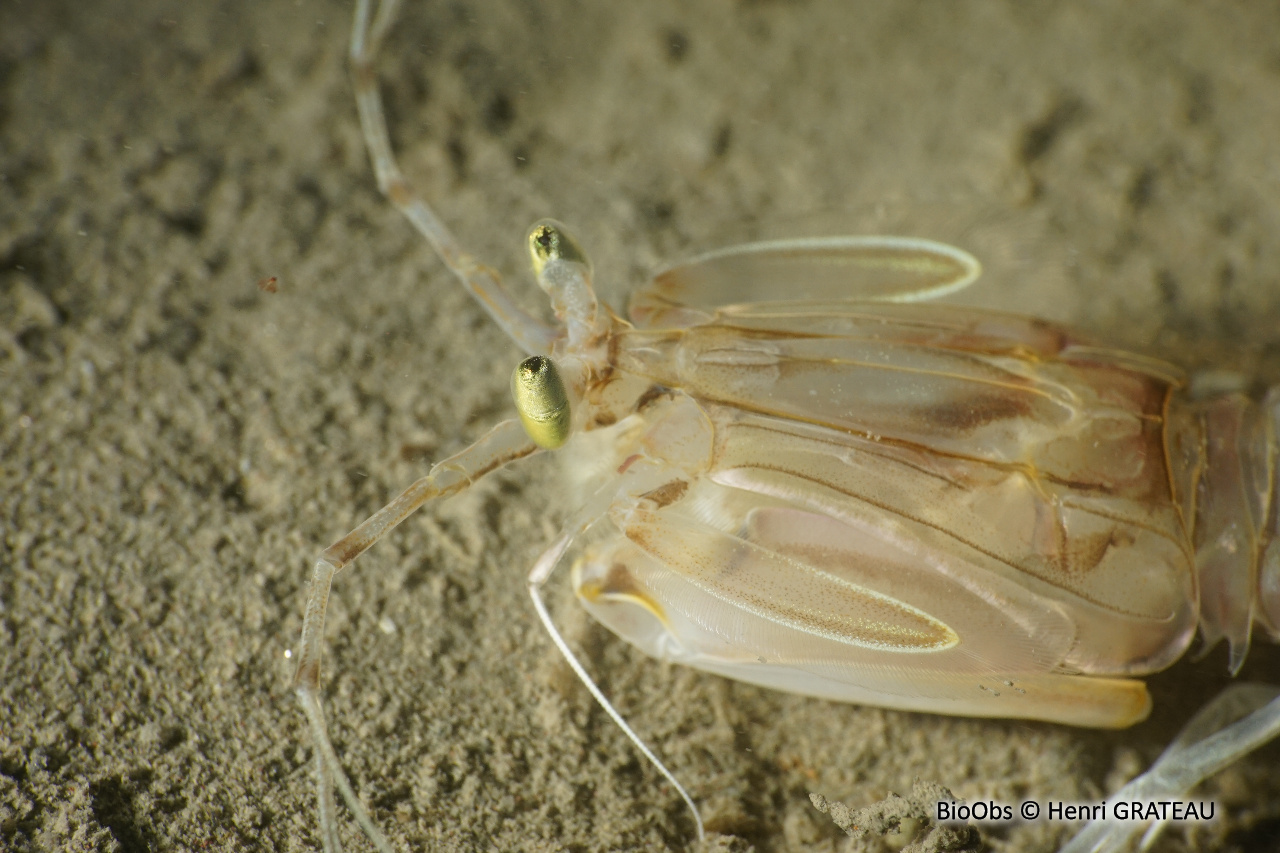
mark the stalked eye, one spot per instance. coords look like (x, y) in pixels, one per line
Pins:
(542, 402)
(549, 241)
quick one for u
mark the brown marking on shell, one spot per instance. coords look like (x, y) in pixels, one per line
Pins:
(974, 412)
(666, 494)
(618, 580)
(651, 395)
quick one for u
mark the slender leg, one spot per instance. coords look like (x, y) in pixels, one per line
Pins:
(538, 576)
(1239, 720)
(533, 336)
(504, 443)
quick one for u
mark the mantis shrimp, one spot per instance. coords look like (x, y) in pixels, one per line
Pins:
(803, 473)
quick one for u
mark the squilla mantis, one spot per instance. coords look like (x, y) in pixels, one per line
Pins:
(806, 475)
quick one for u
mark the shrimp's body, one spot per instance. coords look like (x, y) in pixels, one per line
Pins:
(807, 475)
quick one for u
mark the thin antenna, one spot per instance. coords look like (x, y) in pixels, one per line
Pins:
(537, 578)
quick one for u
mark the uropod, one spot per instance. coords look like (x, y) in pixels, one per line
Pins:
(821, 481)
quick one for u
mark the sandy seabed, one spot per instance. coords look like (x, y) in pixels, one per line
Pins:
(176, 443)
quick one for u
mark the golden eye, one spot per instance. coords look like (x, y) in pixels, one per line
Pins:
(549, 241)
(542, 402)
